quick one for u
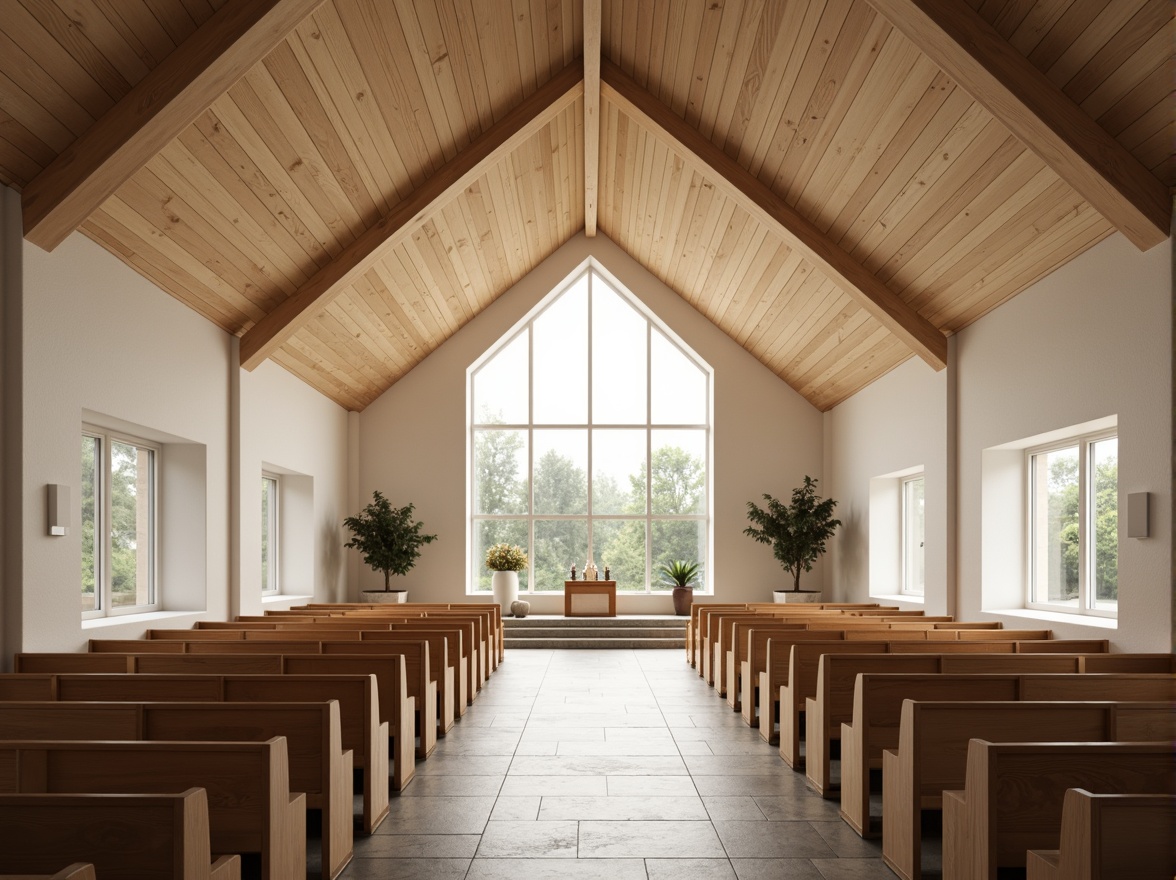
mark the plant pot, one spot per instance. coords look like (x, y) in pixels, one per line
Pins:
(788, 597)
(506, 588)
(683, 599)
(384, 597)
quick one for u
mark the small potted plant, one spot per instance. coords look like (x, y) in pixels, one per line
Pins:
(680, 575)
(797, 533)
(506, 561)
(390, 542)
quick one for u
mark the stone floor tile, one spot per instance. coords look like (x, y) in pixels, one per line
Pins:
(529, 840)
(853, 869)
(622, 748)
(602, 808)
(445, 764)
(651, 786)
(802, 806)
(556, 869)
(733, 807)
(771, 840)
(417, 846)
(844, 841)
(437, 815)
(776, 869)
(408, 869)
(461, 786)
(554, 785)
(695, 869)
(649, 840)
(523, 808)
(528, 765)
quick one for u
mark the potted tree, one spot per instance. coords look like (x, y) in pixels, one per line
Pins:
(390, 542)
(680, 575)
(797, 533)
(506, 561)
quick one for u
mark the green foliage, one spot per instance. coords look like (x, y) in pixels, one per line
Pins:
(1062, 528)
(678, 573)
(796, 531)
(130, 514)
(506, 557)
(387, 537)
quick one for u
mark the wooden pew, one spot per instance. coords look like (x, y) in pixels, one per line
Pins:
(76, 871)
(837, 677)
(250, 806)
(129, 837)
(359, 712)
(797, 672)
(318, 765)
(416, 684)
(933, 745)
(724, 637)
(1013, 795)
(749, 642)
(1110, 837)
(878, 702)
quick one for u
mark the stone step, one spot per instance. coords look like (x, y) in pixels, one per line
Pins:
(595, 632)
(619, 641)
(630, 631)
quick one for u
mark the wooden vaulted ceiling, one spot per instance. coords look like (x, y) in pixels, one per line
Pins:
(837, 184)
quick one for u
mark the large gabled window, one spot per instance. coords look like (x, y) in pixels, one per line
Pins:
(590, 438)
(119, 479)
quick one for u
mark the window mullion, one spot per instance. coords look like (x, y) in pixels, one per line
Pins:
(1084, 521)
(107, 526)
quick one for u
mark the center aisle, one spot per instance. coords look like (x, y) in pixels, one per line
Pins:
(616, 764)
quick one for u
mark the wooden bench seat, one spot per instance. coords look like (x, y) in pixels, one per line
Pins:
(1110, 837)
(392, 688)
(877, 709)
(76, 871)
(789, 678)
(1013, 796)
(837, 675)
(933, 746)
(250, 806)
(361, 729)
(129, 837)
(318, 765)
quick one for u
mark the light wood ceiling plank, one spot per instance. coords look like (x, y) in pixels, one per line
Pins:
(1086, 45)
(1038, 113)
(1149, 20)
(727, 62)
(849, 63)
(301, 366)
(515, 128)
(99, 30)
(19, 104)
(396, 314)
(592, 30)
(857, 374)
(1116, 93)
(881, 302)
(412, 299)
(51, 98)
(457, 27)
(157, 109)
(434, 76)
(765, 289)
(694, 64)
(776, 306)
(227, 161)
(21, 139)
(70, 35)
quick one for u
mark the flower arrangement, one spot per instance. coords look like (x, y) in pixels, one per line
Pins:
(506, 557)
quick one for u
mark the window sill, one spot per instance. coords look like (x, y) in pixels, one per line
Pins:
(899, 597)
(145, 617)
(286, 597)
(1057, 617)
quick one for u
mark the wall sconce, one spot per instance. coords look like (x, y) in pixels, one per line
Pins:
(58, 508)
(1137, 521)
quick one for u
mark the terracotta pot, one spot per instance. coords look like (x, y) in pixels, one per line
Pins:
(683, 599)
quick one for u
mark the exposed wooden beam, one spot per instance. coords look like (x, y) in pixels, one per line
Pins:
(591, 113)
(160, 106)
(521, 123)
(1037, 112)
(768, 208)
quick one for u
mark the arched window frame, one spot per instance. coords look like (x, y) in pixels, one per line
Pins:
(475, 562)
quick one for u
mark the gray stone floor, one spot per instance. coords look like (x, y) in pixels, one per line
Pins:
(613, 764)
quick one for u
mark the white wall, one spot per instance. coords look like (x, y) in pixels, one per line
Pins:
(98, 341)
(413, 438)
(1089, 341)
(896, 423)
(289, 428)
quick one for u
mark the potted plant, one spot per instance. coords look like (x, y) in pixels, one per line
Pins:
(390, 542)
(506, 561)
(680, 575)
(797, 533)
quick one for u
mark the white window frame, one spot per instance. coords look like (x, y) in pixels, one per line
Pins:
(103, 515)
(1085, 605)
(273, 525)
(905, 574)
(591, 269)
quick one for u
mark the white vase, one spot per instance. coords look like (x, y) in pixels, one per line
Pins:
(506, 588)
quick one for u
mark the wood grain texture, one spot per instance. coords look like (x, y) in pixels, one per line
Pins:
(839, 115)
